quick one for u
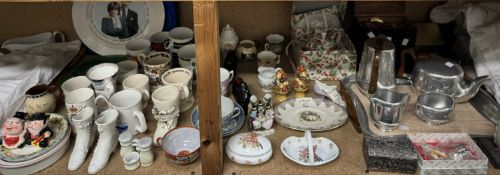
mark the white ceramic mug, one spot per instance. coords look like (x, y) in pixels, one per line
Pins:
(225, 78)
(160, 42)
(138, 47)
(155, 64)
(129, 104)
(166, 97)
(103, 77)
(180, 78)
(268, 58)
(228, 110)
(75, 83)
(138, 82)
(125, 69)
(187, 56)
(79, 99)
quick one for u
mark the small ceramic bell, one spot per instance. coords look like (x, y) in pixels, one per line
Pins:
(228, 38)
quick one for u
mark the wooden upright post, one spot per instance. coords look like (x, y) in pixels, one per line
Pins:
(206, 28)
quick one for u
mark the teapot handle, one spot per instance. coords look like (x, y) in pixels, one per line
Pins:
(372, 86)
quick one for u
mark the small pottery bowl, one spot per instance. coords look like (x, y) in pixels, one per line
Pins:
(249, 149)
(181, 145)
(435, 108)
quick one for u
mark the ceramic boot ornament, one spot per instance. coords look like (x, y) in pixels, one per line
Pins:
(167, 120)
(107, 142)
(85, 132)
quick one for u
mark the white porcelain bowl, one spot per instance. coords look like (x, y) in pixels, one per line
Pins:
(296, 149)
(181, 145)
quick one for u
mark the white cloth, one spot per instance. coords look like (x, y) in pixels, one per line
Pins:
(482, 22)
(20, 71)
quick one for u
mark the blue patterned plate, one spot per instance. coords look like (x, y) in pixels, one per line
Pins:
(227, 130)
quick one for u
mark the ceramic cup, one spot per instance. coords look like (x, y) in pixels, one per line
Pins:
(246, 50)
(77, 100)
(138, 47)
(274, 43)
(268, 59)
(225, 78)
(103, 77)
(129, 105)
(160, 42)
(155, 64)
(266, 78)
(138, 82)
(75, 83)
(187, 56)
(180, 78)
(166, 97)
(131, 160)
(179, 36)
(126, 68)
(228, 110)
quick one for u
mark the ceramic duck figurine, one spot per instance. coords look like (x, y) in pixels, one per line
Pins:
(14, 131)
(301, 82)
(282, 86)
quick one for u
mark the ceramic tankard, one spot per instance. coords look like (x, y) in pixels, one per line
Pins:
(103, 77)
(41, 98)
(128, 103)
(160, 42)
(138, 82)
(180, 78)
(75, 83)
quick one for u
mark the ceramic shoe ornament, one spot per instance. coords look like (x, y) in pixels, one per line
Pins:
(301, 82)
(107, 142)
(38, 130)
(329, 91)
(282, 86)
(228, 38)
(85, 131)
(14, 131)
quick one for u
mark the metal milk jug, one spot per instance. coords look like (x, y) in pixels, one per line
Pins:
(376, 70)
(387, 108)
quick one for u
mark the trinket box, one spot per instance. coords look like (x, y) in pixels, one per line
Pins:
(249, 149)
(390, 154)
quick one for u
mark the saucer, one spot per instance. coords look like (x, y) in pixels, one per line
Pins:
(227, 130)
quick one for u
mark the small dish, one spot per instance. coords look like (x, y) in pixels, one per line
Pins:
(249, 149)
(299, 149)
(181, 145)
(230, 128)
(435, 108)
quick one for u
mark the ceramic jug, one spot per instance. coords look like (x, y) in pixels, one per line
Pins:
(376, 70)
(387, 107)
(228, 38)
(41, 98)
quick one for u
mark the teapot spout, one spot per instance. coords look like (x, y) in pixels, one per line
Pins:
(471, 89)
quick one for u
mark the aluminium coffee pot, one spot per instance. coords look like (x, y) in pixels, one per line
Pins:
(376, 70)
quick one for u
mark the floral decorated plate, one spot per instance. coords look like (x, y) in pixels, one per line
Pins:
(60, 129)
(297, 149)
(314, 114)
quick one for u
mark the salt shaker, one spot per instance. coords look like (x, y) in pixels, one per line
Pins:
(127, 143)
(144, 148)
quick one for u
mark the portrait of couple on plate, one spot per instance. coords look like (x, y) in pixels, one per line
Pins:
(121, 21)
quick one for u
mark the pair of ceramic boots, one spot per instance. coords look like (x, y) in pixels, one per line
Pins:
(85, 131)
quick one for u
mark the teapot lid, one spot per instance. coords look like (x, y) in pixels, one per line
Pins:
(439, 66)
(249, 144)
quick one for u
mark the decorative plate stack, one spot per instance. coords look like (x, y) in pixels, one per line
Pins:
(30, 159)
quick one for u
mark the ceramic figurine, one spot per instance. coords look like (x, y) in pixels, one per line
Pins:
(262, 116)
(252, 113)
(301, 82)
(146, 154)
(14, 131)
(282, 86)
(37, 126)
(241, 93)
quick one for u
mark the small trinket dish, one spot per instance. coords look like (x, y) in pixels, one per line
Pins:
(303, 149)
(249, 149)
(181, 145)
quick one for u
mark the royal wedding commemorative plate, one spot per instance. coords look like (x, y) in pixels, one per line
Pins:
(106, 32)
(314, 114)
(227, 130)
(29, 154)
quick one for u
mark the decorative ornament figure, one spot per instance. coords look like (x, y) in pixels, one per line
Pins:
(40, 133)
(301, 82)
(282, 86)
(14, 131)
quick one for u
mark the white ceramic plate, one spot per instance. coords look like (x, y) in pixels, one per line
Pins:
(295, 149)
(88, 20)
(314, 114)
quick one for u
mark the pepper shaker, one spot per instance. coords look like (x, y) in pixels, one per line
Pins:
(146, 154)
(127, 143)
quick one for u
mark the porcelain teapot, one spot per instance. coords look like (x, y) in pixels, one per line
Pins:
(228, 38)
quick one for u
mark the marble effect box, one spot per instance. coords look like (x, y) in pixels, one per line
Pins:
(390, 154)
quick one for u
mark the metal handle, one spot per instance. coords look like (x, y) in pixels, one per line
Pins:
(372, 87)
